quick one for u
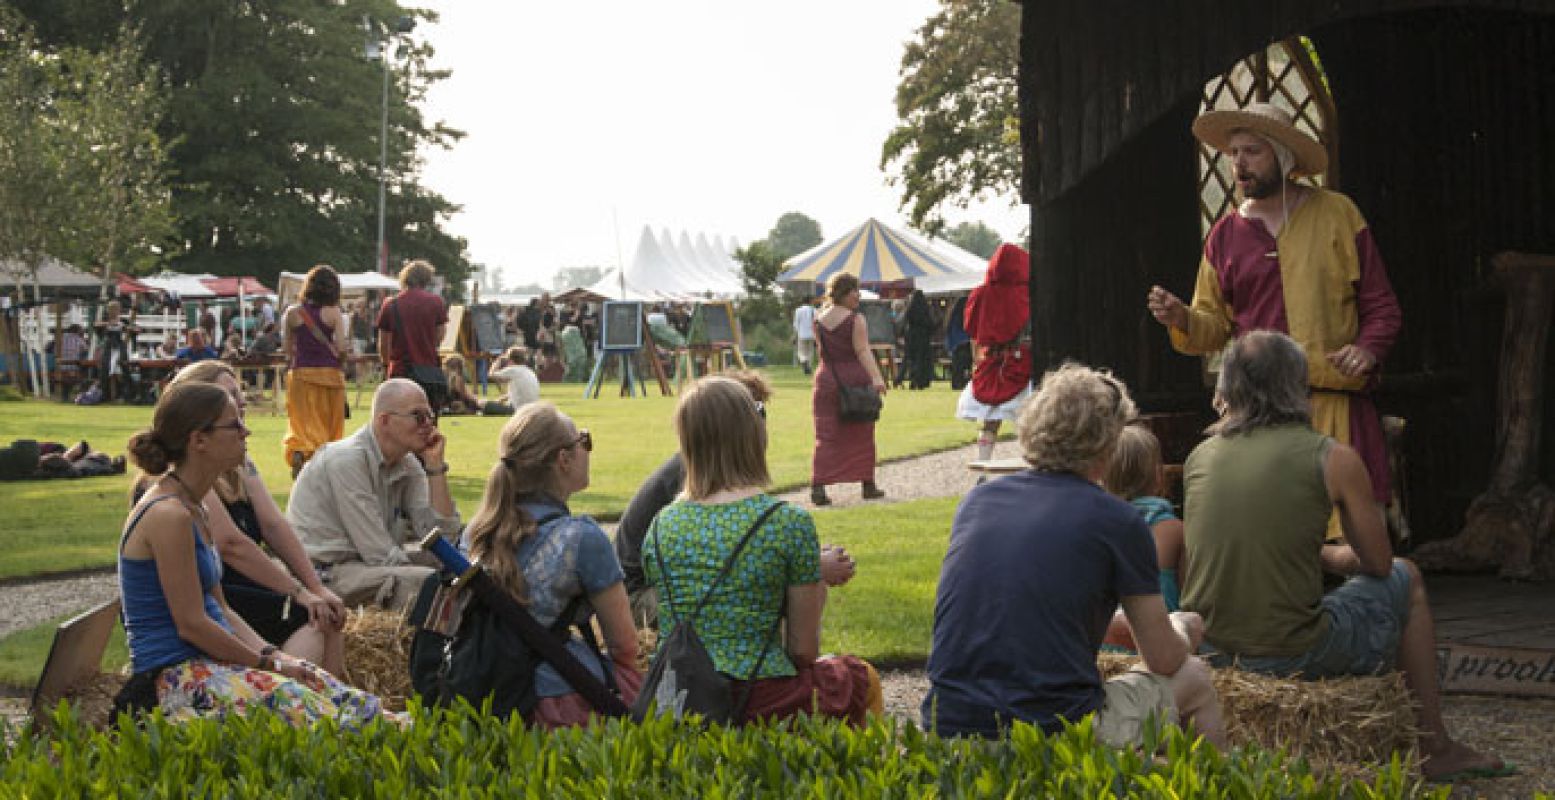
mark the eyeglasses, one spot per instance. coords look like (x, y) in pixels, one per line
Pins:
(421, 416)
(235, 425)
(761, 409)
(584, 439)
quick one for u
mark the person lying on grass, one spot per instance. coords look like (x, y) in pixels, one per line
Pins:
(1037, 563)
(192, 655)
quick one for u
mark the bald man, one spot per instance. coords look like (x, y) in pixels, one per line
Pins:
(359, 500)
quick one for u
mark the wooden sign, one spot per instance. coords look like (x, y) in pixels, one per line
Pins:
(487, 325)
(1475, 669)
(76, 655)
(882, 328)
(622, 325)
(714, 323)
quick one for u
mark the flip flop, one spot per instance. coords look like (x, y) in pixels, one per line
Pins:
(1507, 769)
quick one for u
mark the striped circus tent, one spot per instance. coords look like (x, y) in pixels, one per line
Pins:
(879, 254)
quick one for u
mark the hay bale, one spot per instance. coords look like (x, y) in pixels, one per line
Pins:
(378, 654)
(1347, 725)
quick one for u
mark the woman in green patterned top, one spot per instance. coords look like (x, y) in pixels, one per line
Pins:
(776, 576)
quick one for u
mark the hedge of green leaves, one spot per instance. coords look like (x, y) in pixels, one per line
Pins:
(467, 754)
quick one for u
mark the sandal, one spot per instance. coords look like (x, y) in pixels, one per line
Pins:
(818, 496)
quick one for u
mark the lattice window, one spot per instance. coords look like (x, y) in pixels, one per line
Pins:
(1288, 75)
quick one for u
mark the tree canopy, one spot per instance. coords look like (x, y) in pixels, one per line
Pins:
(975, 237)
(959, 134)
(793, 234)
(275, 110)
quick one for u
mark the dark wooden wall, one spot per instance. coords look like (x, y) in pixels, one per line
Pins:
(1446, 118)
(1448, 128)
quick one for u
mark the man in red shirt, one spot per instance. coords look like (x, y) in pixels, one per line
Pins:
(410, 327)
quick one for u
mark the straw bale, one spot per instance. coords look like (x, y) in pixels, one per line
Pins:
(1347, 724)
(378, 654)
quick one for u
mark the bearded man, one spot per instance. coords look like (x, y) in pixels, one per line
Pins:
(1298, 260)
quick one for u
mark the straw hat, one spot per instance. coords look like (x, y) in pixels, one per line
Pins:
(1214, 128)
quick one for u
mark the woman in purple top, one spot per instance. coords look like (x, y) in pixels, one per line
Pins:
(314, 343)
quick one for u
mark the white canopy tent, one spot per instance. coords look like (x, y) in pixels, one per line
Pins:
(664, 269)
(187, 287)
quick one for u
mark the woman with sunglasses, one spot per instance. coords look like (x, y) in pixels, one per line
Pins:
(774, 578)
(283, 600)
(552, 561)
(191, 654)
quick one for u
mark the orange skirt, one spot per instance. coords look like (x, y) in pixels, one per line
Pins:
(315, 409)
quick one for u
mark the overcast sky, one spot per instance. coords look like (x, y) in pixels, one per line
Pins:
(588, 120)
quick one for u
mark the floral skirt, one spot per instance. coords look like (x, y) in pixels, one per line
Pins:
(201, 687)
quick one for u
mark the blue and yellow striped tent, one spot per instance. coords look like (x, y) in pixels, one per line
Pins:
(879, 254)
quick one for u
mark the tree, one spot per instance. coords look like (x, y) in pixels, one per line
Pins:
(760, 264)
(959, 137)
(276, 111)
(793, 234)
(117, 164)
(975, 237)
(571, 277)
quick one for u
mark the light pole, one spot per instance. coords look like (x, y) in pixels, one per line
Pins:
(377, 47)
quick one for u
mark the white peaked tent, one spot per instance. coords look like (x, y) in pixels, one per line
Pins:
(664, 269)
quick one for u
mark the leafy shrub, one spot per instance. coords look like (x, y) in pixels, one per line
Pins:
(467, 754)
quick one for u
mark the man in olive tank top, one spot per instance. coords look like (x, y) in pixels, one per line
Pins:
(1259, 495)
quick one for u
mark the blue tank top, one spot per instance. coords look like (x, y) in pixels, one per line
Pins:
(148, 622)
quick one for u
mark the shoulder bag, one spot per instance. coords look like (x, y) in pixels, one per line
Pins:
(854, 403)
(682, 678)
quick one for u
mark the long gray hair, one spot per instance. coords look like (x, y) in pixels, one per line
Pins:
(1263, 382)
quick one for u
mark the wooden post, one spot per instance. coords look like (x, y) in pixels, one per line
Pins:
(1511, 524)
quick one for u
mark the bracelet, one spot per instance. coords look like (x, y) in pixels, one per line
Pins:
(443, 470)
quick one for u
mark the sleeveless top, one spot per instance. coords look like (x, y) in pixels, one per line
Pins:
(308, 350)
(148, 622)
(837, 356)
(1256, 515)
(246, 520)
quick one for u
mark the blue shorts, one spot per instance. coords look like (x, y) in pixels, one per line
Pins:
(1366, 617)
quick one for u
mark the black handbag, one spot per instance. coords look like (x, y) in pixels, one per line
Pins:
(854, 403)
(682, 678)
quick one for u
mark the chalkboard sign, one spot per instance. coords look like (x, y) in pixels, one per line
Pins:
(623, 326)
(714, 323)
(487, 326)
(882, 330)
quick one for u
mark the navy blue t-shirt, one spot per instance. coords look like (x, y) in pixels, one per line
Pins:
(1036, 566)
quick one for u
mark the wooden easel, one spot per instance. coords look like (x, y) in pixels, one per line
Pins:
(885, 358)
(631, 379)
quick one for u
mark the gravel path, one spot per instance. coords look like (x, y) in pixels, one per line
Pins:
(23, 605)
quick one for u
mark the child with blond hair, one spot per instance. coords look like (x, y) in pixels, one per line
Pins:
(1135, 474)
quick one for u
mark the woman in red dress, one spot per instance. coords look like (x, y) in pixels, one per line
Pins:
(844, 451)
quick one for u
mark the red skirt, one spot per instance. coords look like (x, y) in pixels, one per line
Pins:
(845, 687)
(844, 451)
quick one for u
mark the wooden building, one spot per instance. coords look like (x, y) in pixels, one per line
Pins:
(1440, 122)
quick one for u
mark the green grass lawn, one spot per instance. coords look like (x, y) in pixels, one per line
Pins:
(58, 526)
(884, 614)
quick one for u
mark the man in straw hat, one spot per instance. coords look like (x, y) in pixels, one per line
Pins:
(1299, 260)
(1259, 494)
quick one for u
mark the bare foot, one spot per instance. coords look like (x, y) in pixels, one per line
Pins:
(1458, 760)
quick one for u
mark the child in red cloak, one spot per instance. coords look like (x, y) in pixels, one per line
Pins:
(997, 318)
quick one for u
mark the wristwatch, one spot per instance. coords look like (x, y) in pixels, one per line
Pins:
(443, 470)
